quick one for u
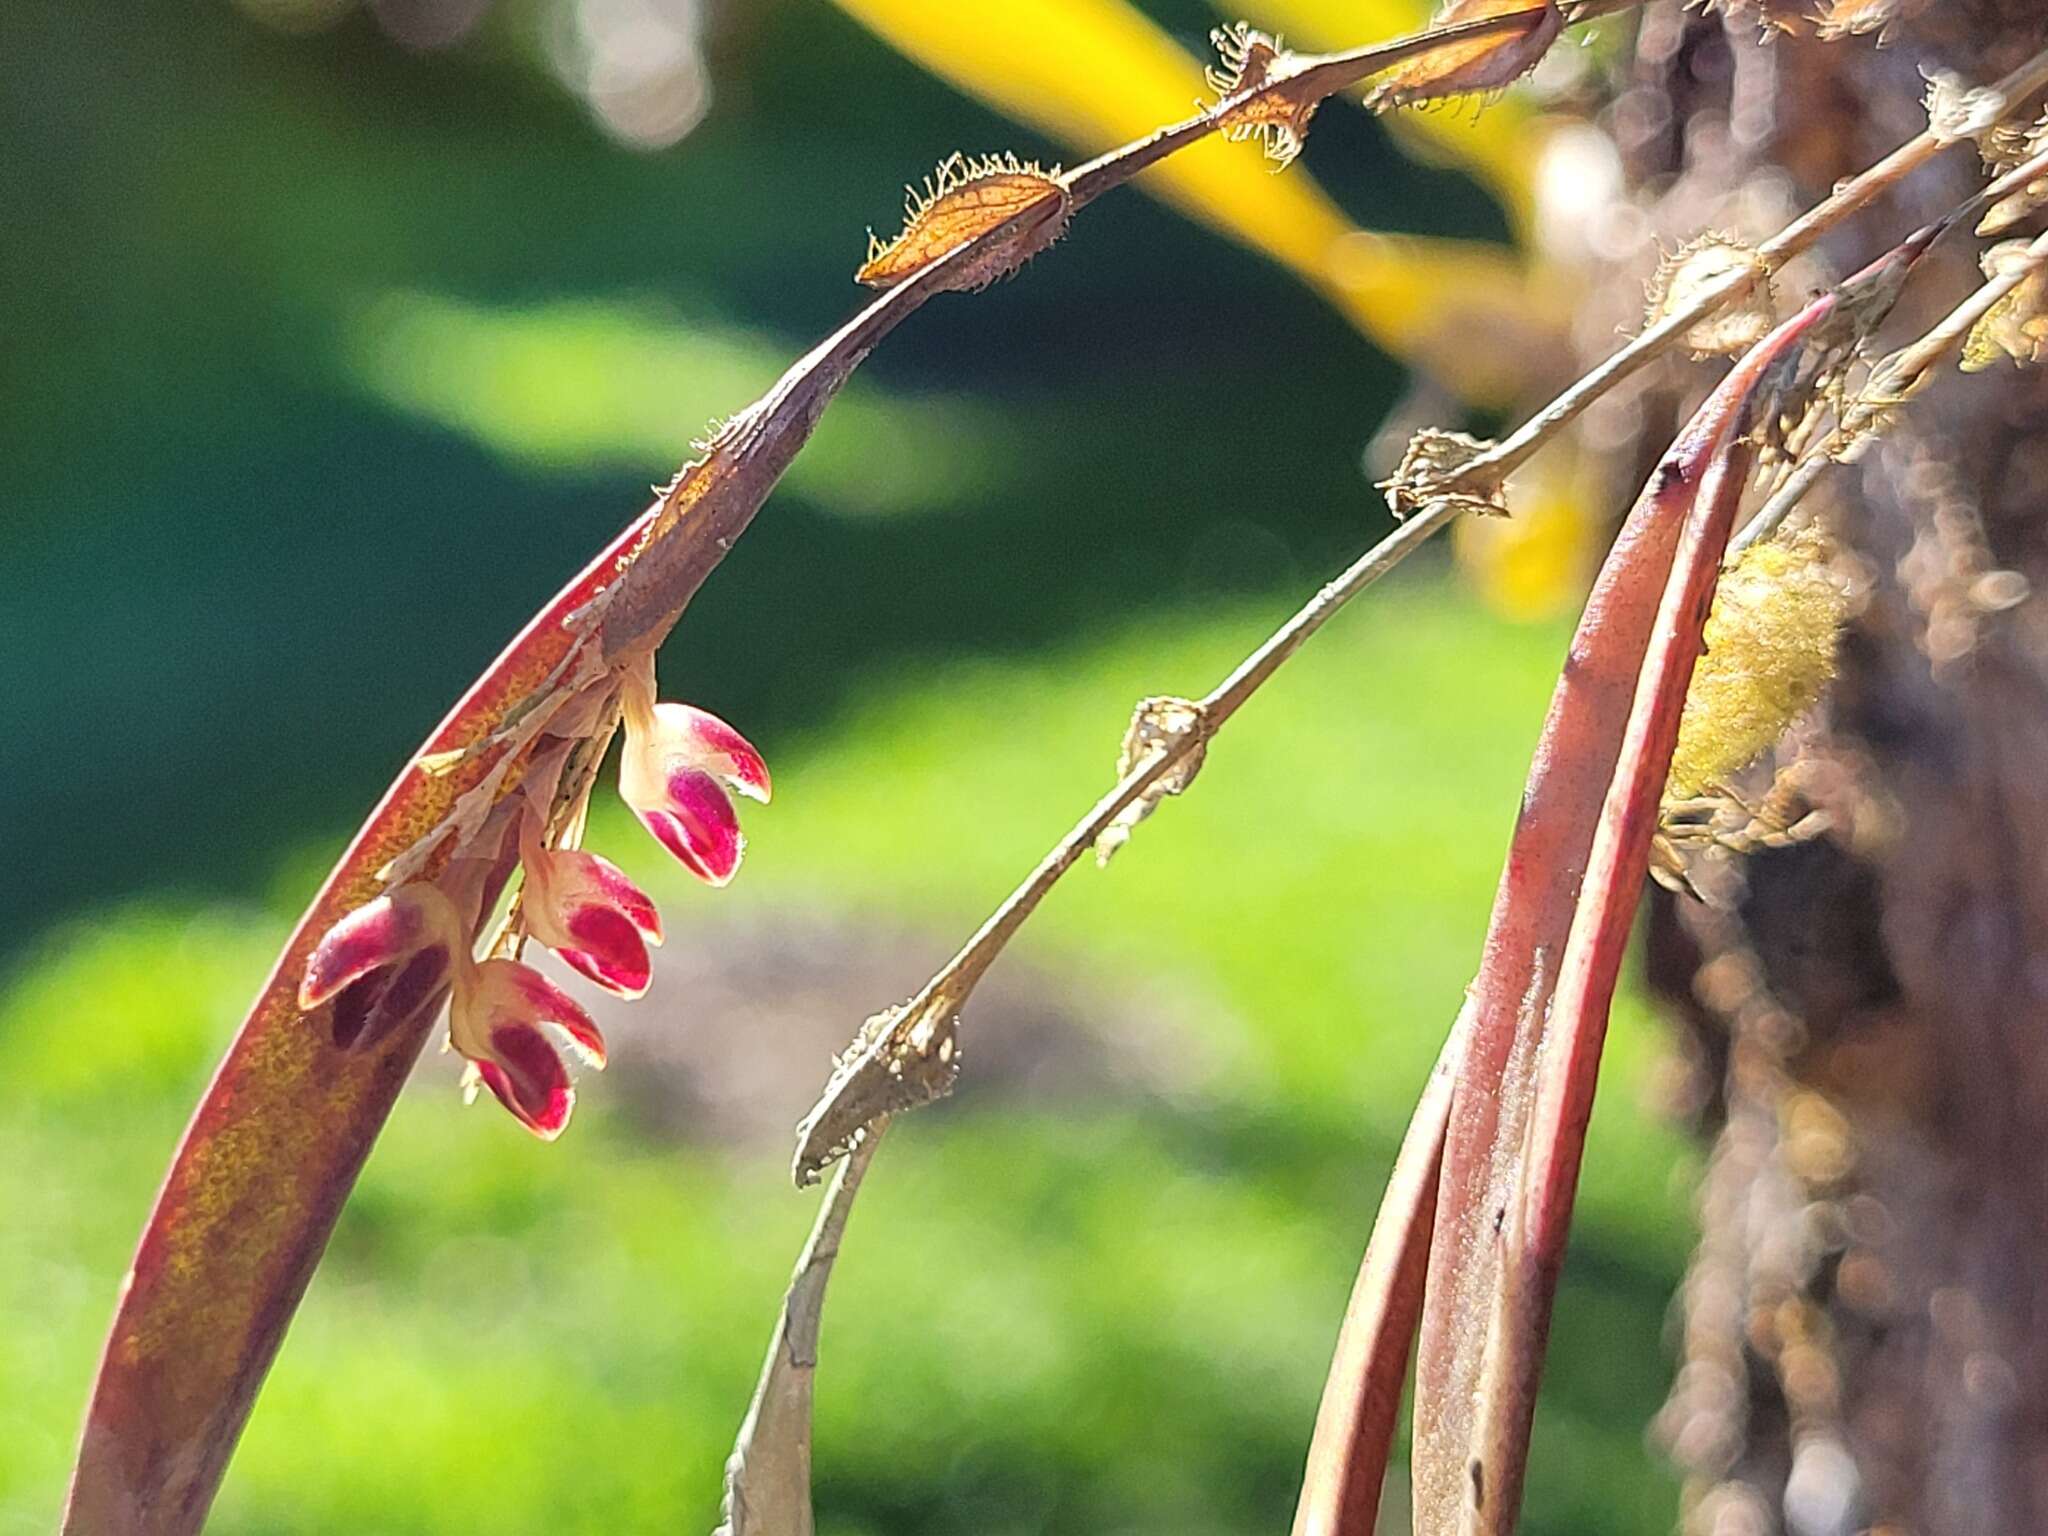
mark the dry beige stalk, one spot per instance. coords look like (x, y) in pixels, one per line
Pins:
(768, 1475)
(894, 1062)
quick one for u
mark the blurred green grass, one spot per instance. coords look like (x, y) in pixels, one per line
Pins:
(1097, 1318)
(372, 343)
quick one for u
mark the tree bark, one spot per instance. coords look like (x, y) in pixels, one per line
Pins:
(1865, 1324)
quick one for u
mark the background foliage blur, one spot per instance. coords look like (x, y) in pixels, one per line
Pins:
(334, 336)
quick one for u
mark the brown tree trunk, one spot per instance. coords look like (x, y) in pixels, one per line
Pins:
(1865, 1326)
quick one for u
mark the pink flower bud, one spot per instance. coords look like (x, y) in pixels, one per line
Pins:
(385, 964)
(500, 1008)
(585, 909)
(677, 767)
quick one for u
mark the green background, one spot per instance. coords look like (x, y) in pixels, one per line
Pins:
(324, 361)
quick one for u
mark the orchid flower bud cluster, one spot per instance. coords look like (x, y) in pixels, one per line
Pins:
(397, 958)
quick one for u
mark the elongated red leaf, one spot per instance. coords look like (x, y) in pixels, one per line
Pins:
(1509, 1000)
(254, 1190)
(1354, 1433)
(1561, 919)
(269, 1158)
(1509, 1350)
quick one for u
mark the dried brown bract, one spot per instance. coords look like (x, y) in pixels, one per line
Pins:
(1156, 724)
(962, 201)
(1433, 468)
(1701, 265)
(1249, 60)
(1476, 65)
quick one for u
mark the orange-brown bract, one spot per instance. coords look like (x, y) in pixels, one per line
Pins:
(962, 201)
(1476, 65)
(1249, 60)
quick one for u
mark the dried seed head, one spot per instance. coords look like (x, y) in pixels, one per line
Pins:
(1155, 724)
(900, 1059)
(1702, 264)
(1770, 652)
(1854, 18)
(2006, 148)
(1249, 60)
(1476, 65)
(2017, 325)
(962, 201)
(1957, 110)
(1433, 469)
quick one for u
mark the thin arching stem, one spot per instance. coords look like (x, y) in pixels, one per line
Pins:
(930, 1013)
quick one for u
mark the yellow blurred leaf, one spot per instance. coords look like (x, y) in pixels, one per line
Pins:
(1098, 73)
(1534, 562)
(1498, 145)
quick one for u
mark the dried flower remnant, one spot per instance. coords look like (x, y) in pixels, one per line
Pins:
(1250, 60)
(898, 1060)
(2005, 149)
(1476, 65)
(1702, 266)
(1770, 653)
(1855, 18)
(962, 201)
(1155, 725)
(2017, 325)
(1957, 110)
(1433, 468)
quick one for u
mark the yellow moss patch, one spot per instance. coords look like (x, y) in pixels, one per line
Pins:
(1770, 654)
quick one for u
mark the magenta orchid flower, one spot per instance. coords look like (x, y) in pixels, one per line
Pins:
(385, 963)
(584, 908)
(496, 1023)
(399, 957)
(675, 773)
(411, 945)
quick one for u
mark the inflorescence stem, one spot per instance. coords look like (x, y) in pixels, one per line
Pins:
(948, 988)
(1899, 378)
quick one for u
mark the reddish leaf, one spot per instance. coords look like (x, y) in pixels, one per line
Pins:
(1561, 918)
(1354, 1433)
(268, 1160)
(276, 1144)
